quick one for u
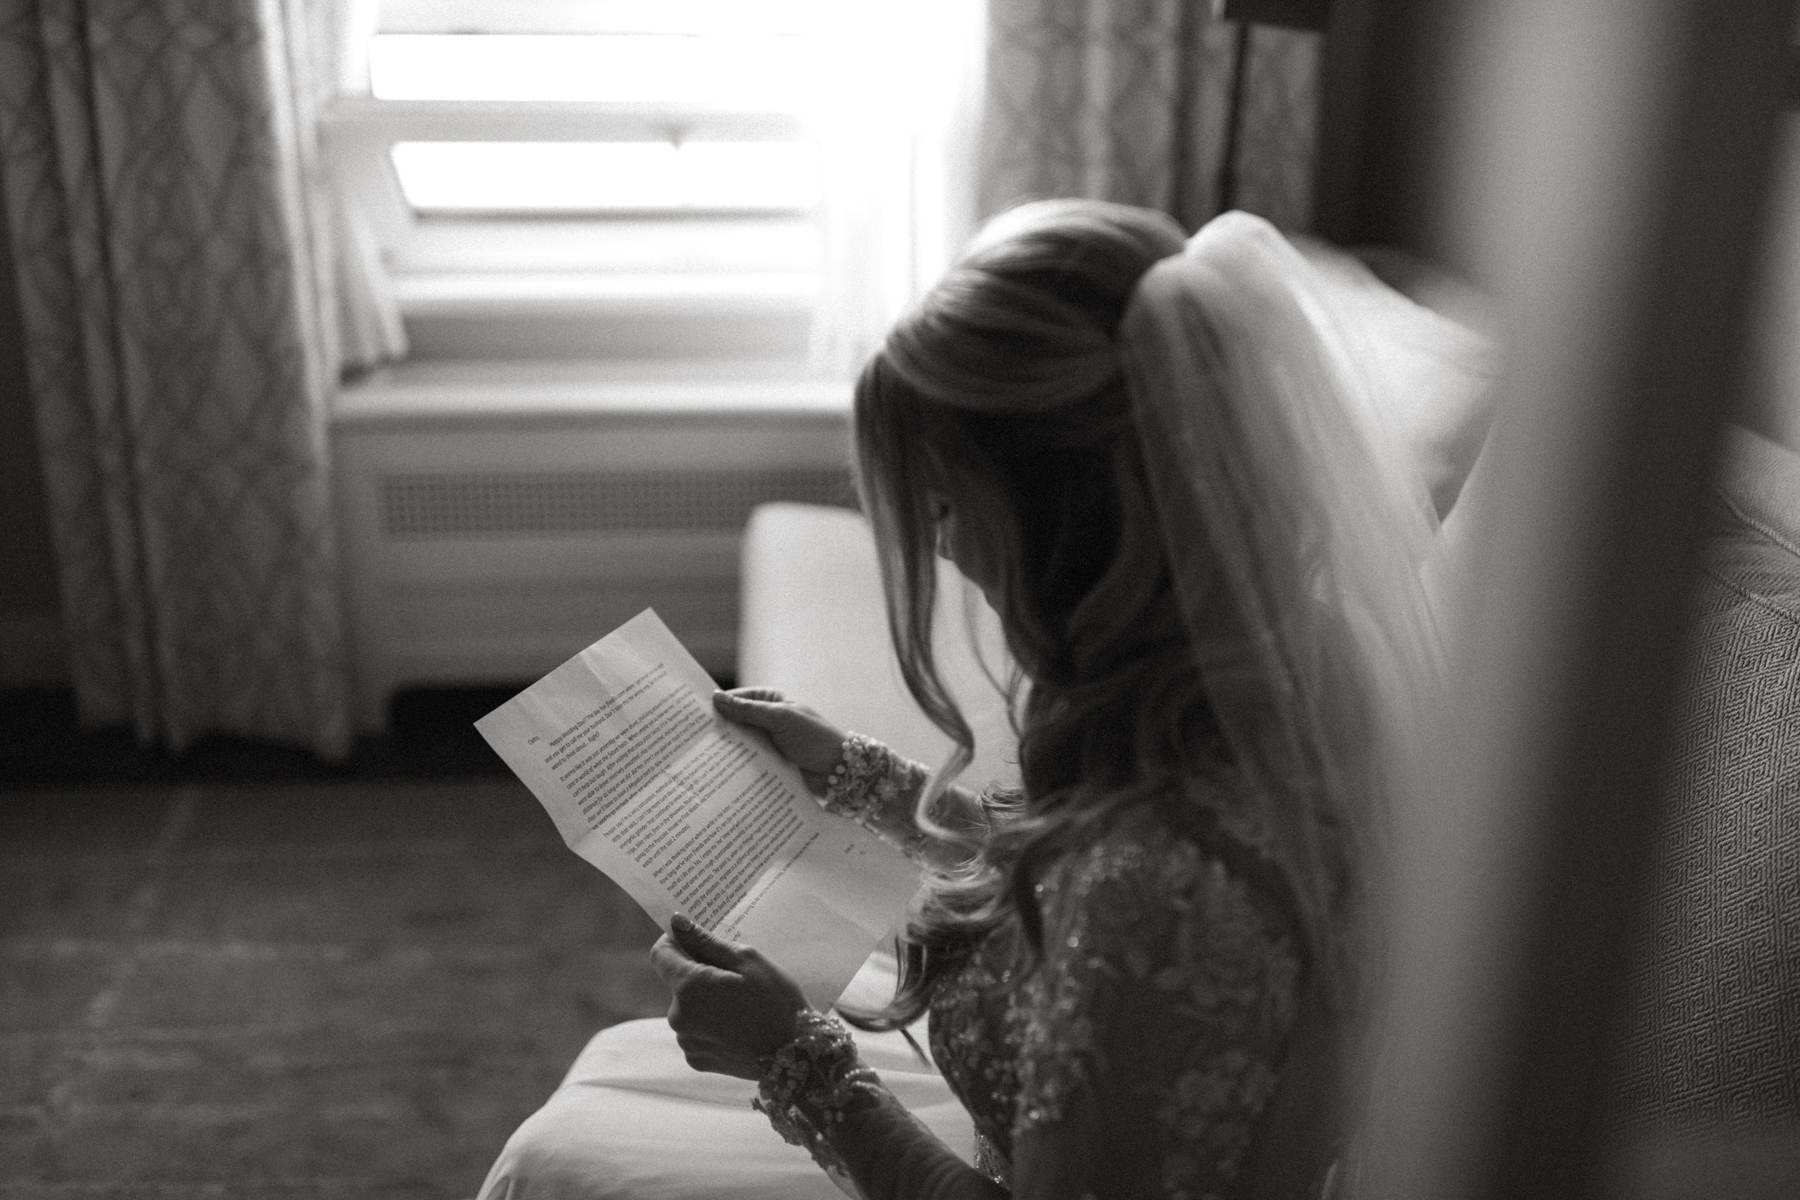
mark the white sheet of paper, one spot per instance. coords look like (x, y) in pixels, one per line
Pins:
(690, 813)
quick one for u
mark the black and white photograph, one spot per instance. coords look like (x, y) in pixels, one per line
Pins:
(949, 600)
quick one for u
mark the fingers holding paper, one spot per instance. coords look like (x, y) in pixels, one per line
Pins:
(799, 734)
(730, 1007)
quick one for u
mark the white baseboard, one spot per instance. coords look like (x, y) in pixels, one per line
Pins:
(32, 651)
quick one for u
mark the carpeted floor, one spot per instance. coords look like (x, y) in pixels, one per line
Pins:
(328, 987)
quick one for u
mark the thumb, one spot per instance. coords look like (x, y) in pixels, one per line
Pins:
(767, 694)
(758, 708)
(703, 947)
(749, 700)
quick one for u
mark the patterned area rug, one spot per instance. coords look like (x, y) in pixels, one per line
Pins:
(292, 990)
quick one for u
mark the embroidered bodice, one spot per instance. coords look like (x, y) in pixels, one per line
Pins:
(1142, 1050)
(1135, 1058)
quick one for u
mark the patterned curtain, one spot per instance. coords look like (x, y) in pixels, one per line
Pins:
(1149, 102)
(161, 177)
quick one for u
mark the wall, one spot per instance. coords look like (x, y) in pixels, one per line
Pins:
(30, 626)
(1381, 98)
(1384, 76)
(1779, 366)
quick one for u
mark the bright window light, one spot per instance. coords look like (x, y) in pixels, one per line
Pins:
(736, 70)
(450, 177)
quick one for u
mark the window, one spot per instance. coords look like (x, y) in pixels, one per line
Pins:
(606, 178)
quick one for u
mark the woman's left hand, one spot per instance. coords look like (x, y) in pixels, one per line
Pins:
(731, 1008)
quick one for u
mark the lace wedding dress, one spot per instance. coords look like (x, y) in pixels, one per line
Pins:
(1141, 1054)
(1167, 991)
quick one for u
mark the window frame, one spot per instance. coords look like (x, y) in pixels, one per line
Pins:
(691, 267)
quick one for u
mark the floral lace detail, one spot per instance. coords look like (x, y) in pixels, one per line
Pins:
(1141, 1052)
(868, 777)
(812, 1083)
(990, 1162)
(975, 1030)
(876, 788)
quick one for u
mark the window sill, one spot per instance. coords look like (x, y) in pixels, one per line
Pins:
(476, 390)
(680, 316)
(605, 292)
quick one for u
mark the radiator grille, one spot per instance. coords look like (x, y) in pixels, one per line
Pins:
(461, 504)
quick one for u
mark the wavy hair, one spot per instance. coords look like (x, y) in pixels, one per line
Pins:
(1003, 393)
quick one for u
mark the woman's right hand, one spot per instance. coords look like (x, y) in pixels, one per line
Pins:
(800, 735)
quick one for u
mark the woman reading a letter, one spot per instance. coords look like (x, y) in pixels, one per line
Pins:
(1168, 465)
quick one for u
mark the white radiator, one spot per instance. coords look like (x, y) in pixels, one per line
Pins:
(494, 524)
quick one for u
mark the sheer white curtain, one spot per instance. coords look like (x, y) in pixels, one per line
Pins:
(944, 112)
(368, 315)
(899, 116)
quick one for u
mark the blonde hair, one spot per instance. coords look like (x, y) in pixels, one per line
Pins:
(1003, 392)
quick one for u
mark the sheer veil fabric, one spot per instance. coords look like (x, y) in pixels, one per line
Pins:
(1296, 527)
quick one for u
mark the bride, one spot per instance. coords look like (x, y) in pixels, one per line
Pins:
(1197, 480)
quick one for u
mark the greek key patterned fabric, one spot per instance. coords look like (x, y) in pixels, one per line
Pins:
(1129, 100)
(1714, 1040)
(158, 169)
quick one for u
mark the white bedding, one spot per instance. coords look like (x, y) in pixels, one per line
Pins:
(632, 1120)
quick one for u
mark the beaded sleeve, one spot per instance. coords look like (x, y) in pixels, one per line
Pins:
(878, 789)
(818, 1095)
(812, 1083)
